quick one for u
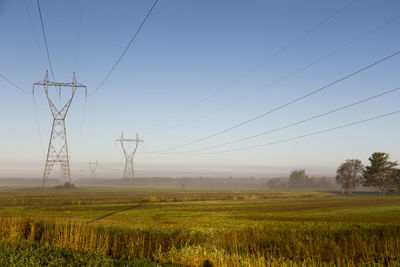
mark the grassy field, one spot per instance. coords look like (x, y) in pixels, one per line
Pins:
(29, 253)
(187, 227)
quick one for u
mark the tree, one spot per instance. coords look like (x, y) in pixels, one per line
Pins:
(298, 178)
(69, 185)
(381, 173)
(274, 183)
(397, 180)
(349, 174)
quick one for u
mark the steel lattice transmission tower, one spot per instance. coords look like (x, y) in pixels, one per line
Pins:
(129, 170)
(58, 149)
(92, 166)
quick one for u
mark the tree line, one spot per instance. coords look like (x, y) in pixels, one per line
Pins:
(381, 173)
(299, 179)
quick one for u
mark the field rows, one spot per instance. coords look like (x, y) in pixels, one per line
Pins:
(228, 227)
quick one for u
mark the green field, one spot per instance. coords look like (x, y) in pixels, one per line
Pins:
(187, 227)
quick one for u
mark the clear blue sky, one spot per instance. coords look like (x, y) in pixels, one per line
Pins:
(185, 52)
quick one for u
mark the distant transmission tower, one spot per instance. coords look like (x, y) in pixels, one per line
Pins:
(58, 149)
(92, 166)
(129, 170)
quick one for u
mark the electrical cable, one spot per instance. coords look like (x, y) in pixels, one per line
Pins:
(45, 39)
(281, 106)
(79, 34)
(35, 33)
(290, 75)
(14, 85)
(75, 65)
(299, 122)
(81, 129)
(38, 124)
(305, 135)
(126, 49)
(271, 57)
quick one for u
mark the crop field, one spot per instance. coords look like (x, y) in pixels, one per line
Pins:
(186, 227)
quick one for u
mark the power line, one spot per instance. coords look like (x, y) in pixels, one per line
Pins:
(305, 135)
(271, 57)
(126, 49)
(14, 85)
(38, 46)
(281, 106)
(27, 92)
(298, 122)
(299, 70)
(34, 106)
(34, 33)
(75, 65)
(81, 128)
(45, 40)
(79, 34)
(38, 124)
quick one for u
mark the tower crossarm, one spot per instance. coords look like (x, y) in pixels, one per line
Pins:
(46, 84)
(93, 165)
(59, 114)
(59, 84)
(129, 140)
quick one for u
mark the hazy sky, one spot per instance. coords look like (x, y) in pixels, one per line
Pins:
(187, 51)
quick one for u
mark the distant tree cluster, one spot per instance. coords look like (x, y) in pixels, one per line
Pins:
(298, 179)
(381, 173)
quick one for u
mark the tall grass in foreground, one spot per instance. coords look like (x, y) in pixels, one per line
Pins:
(28, 253)
(269, 245)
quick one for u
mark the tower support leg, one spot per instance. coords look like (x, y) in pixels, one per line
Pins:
(57, 151)
(129, 170)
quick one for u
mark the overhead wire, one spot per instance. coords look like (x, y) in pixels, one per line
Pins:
(305, 135)
(296, 123)
(34, 106)
(36, 114)
(37, 42)
(14, 85)
(271, 57)
(81, 127)
(297, 71)
(125, 50)
(45, 39)
(47, 51)
(75, 66)
(38, 124)
(281, 106)
(34, 32)
(79, 34)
